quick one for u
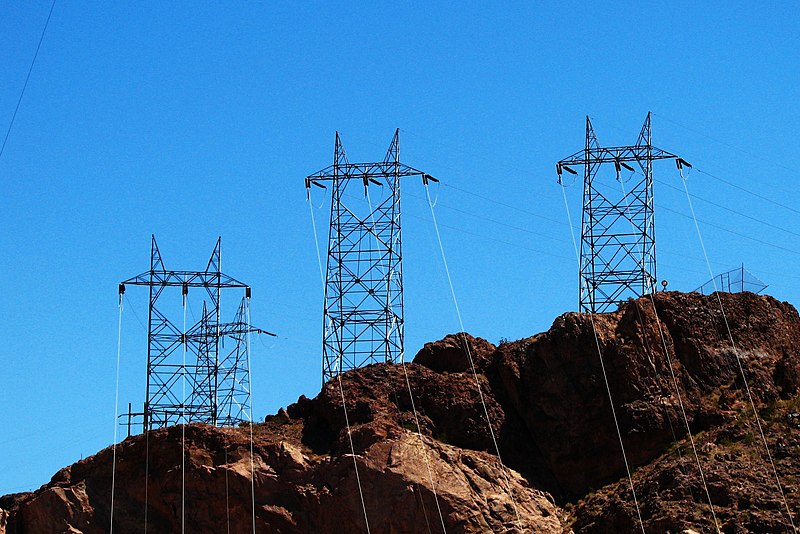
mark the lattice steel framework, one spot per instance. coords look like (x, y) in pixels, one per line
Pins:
(363, 307)
(217, 390)
(618, 235)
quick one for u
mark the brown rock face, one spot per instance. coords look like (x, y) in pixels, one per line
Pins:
(295, 489)
(555, 381)
(450, 354)
(742, 488)
(548, 404)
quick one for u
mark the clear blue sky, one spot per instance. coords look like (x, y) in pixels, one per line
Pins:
(191, 120)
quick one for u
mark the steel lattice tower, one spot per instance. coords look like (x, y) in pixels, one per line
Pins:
(618, 234)
(363, 308)
(217, 389)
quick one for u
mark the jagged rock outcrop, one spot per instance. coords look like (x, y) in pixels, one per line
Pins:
(295, 489)
(742, 487)
(551, 419)
(556, 383)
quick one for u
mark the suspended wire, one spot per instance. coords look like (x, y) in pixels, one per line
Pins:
(736, 354)
(500, 223)
(719, 227)
(561, 257)
(424, 451)
(659, 206)
(605, 375)
(548, 253)
(722, 180)
(731, 210)
(672, 374)
(116, 409)
(146, 466)
(733, 232)
(250, 380)
(728, 230)
(194, 317)
(476, 156)
(183, 425)
(316, 243)
(471, 362)
(133, 309)
(227, 491)
(27, 78)
(341, 387)
(352, 447)
(772, 162)
(504, 204)
(749, 192)
(413, 403)
(558, 256)
(475, 234)
(724, 143)
(662, 390)
(377, 240)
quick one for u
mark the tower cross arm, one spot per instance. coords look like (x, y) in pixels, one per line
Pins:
(360, 171)
(237, 329)
(183, 278)
(227, 329)
(612, 154)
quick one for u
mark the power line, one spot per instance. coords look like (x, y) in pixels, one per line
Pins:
(516, 208)
(724, 143)
(723, 180)
(494, 221)
(28, 77)
(757, 195)
(521, 210)
(756, 219)
(711, 224)
(736, 353)
(475, 234)
(658, 205)
(720, 227)
(471, 155)
(734, 232)
(714, 225)
(469, 355)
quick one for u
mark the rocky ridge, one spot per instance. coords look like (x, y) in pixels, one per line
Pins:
(550, 413)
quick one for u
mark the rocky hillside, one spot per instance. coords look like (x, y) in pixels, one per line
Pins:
(547, 402)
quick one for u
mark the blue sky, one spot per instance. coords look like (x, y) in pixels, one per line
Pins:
(191, 120)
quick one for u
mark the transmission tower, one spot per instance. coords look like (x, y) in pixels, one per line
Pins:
(363, 308)
(618, 236)
(217, 389)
